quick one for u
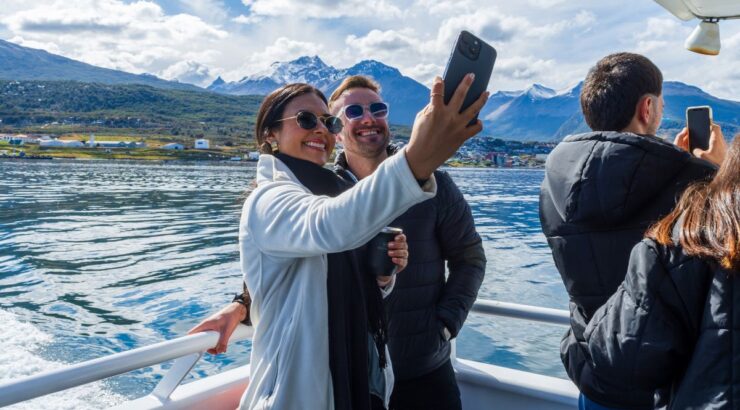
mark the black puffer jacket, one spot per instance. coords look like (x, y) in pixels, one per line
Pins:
(601, 192)
(672, 326)
(438, 230)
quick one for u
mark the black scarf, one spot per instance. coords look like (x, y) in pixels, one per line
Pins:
(347, 287)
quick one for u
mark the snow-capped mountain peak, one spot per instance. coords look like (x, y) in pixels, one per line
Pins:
(539, 91)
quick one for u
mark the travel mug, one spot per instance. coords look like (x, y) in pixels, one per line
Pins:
(378, 261)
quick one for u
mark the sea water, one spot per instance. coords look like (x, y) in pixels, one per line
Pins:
(102, 257)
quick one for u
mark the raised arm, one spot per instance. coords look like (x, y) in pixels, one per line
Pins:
(285, 220)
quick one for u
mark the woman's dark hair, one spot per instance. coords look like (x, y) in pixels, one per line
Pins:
(614, 86)
(272, 108)
(709, 216)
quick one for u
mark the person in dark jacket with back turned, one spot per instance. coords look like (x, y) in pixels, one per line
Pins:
(424, 311)
(603, 189)
(673, 326)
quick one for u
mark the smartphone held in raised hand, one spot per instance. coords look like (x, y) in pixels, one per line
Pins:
(699, 123)
(469, 55)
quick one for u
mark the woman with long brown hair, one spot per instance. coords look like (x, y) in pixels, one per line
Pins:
(673, 327)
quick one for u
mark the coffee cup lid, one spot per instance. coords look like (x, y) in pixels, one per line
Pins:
(391, 229)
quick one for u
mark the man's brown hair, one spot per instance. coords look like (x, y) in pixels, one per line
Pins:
(614, 86)
(354, 81)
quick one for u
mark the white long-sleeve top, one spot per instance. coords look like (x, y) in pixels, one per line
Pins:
(284, 237)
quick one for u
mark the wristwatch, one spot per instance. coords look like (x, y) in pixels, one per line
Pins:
(245, 300)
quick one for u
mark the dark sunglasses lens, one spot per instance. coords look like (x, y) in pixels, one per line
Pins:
(334, 124)
(379, 109)
(307, 120)
(353, 111)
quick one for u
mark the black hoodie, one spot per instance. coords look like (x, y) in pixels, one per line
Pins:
(601, 192)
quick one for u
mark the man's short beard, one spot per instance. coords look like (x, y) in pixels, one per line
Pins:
(370, 151)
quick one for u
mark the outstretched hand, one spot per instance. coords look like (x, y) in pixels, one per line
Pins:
(715, 153)
(440, 129)
(225, 321)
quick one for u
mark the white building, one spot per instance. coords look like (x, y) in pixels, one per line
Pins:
(174, 145)
(202, 144)
(19, 139)
(253, 156)
(61, 144)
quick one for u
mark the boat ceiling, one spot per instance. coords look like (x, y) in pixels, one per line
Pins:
(689, 9)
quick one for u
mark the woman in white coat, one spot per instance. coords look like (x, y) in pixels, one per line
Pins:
(291, 226)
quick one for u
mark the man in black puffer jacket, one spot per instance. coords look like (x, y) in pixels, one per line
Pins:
(603, 189)
(424, 310)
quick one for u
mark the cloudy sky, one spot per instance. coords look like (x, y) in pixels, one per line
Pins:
(551, 42)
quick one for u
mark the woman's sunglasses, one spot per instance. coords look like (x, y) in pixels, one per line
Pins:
(308, 121)
(356, 111)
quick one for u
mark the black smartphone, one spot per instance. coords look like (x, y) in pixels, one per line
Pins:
(698, 121)
(469, 55)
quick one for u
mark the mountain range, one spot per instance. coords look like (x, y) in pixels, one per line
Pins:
(536, 113)
(22, 63)
(405, 95)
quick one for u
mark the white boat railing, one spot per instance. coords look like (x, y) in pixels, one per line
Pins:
(526, 312)
(188, 350)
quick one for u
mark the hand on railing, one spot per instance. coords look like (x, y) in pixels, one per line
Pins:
(225, 321)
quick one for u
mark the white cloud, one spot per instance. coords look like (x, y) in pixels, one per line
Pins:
(425, 73)
(324, 9)
(524, 68)
(284, 49)
(546, 4)
(189, 72)
(382, 41)
(136, 37)
(208, 10)
(243, 19)
(660, 28)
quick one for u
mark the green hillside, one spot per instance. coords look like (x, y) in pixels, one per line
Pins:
(56, 107)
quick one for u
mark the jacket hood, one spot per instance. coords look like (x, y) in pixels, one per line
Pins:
(603, 178)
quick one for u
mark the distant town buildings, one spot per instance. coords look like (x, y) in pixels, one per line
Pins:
(20, 139)
(174, 146)
(202, 144)
(57, 143)
(92, 143)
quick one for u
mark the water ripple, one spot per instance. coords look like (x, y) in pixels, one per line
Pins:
(109, 256)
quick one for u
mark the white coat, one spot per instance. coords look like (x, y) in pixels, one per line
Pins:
(284, 237)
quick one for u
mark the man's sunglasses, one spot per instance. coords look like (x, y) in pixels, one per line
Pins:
(308, 121)
(356, 111)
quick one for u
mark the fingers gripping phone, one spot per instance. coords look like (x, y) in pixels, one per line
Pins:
(699, 123)
(469, 55)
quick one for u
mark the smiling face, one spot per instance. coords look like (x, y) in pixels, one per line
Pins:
(313, 145)
(366, 136)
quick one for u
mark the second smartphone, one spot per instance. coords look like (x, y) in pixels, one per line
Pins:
(699, 123)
